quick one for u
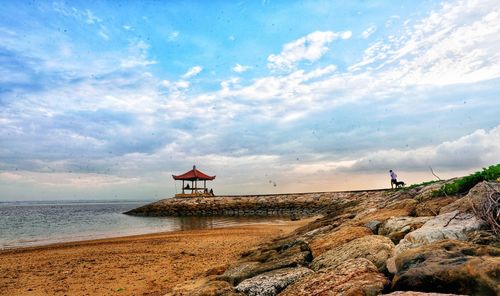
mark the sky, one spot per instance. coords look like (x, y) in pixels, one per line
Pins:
(108, 99)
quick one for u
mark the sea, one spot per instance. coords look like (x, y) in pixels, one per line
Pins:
(36, 223)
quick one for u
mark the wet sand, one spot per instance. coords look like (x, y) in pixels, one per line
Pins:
(151, 264)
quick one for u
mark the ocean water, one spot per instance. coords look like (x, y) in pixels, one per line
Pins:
(41, 223)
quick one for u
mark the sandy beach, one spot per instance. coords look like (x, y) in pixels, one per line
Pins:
(151, 264)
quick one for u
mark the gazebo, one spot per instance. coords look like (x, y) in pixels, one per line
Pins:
(194, 176)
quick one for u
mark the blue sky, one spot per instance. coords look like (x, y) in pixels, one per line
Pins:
(105, 99)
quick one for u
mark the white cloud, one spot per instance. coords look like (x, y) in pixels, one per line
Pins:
(138, 56)
(310, 48)
(415, 61)
(91, 18)
(70, 180)
(229, 82)
(480, 148)
(103, 35)
(369, 31)
(460, 43)
(182, 84)
(192, 72)
(392, 20)
(174, 35)
(240, 68)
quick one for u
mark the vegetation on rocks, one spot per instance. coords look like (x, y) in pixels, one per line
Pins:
(464, 184)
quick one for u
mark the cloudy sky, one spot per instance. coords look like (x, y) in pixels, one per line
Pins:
(105, 100)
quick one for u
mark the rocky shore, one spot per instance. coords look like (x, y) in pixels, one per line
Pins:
(406, 242)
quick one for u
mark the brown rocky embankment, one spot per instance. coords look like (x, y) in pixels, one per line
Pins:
(392, 242)
(300, 204)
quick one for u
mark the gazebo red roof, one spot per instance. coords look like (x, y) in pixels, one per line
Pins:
(193, 175)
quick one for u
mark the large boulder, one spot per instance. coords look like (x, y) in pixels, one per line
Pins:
(454, 225)
(280, 254)
(408, 204)
(397, 227)
(375, 248)
(308, 236)
(324, 223)
(432, 207)
(484, 237)
(240, 271)
(272, 282)
(427, 192)
(473, 200)
(213, 288)
(339, 236)
(373, 225)
(449, 266)
(277, 251)
(405, 207)
(350, 278)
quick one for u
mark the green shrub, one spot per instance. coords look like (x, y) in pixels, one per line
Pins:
(464, 184)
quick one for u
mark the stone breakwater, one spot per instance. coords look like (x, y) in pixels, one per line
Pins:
(299, 204)
(401, 242)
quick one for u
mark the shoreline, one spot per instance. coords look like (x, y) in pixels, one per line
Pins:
(158, 225)
(145, 264)
(107, 239)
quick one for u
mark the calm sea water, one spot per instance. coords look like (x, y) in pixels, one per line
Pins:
(40, 223)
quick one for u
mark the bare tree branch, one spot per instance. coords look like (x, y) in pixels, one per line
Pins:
(432, 171)
(489, 209)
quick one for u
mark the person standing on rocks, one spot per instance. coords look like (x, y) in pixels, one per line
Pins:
(394, 179)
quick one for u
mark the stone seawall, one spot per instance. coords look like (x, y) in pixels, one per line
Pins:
(299, 204)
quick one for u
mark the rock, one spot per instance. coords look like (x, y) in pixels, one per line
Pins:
(397, 227)
(303, 204)
(339, 236)
(380, 215)
(365, 213)
(317, 232)
(241, 271)
(484, 237)
(476, 196)
(215, 270)
(426, 192)
(277, 250)
(215, 288)
(325, 223)
(352, 277)
(407, 204)
(413, 293)
(433, 206)
(280, 254)
(449, 266)
(373, 225)
(272, 282)
(452, 225)
(375, 248)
